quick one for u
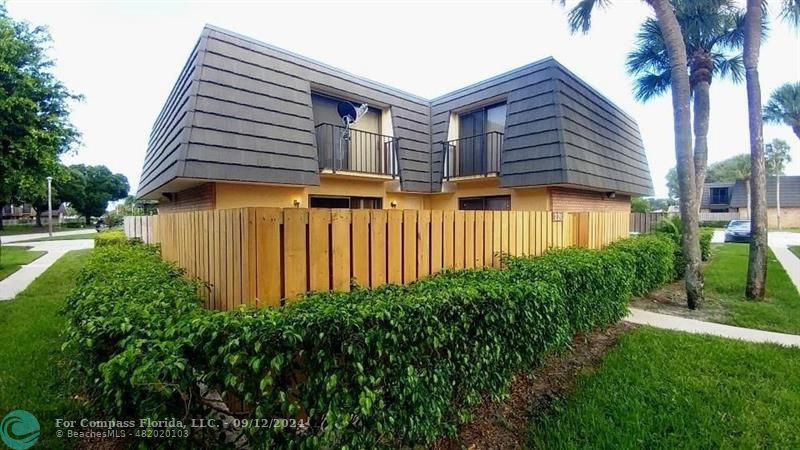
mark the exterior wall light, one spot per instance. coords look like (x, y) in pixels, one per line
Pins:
(296, 203)
(393, 204)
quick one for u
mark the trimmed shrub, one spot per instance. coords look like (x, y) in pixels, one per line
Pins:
(653, 260)
(397, 366)
(110, 237)
(705, 243)
(126, 304)
(595, 284)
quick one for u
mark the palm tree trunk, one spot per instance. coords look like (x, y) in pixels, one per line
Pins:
(701, 110)
(757, 262)
(676, 49)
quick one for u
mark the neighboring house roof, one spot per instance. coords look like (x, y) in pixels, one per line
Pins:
(241, 111)
(790, 193)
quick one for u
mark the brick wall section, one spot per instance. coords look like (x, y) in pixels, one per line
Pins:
(195, 199)
(579, 200)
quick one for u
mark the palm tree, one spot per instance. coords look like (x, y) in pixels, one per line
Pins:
(713, 34)
(783, 107)
(580, 19)
(757, 261)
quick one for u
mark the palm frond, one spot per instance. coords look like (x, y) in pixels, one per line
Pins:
(580, 16)
(783, 105)
(790, 12)
(650, 85)
(729, 67)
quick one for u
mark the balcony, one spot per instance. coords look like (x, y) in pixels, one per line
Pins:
(473, 156)
(364, 153)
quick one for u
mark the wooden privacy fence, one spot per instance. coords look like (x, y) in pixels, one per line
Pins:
(259, 256)
(647, 222)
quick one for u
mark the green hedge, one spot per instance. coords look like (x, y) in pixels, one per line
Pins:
(397, 366)
(110, 237)
(653, 261)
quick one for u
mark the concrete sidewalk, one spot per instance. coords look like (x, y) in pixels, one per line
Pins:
(668, 322)
(27, 237)
(19, 280)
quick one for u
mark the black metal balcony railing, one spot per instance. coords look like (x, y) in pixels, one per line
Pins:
(364, 152)
(473, 156)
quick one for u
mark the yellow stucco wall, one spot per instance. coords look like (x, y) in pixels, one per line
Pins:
(522, 199)
(232, 195)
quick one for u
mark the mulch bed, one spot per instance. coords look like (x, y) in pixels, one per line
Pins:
(505, 424)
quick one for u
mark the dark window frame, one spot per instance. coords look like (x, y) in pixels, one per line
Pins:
(484, 202)
(718, 195)
(360, 200)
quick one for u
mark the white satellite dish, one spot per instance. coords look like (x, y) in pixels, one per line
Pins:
(350, 115)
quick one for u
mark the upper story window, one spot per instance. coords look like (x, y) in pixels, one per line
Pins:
(719, 195)
(363, 149)
(485, 120)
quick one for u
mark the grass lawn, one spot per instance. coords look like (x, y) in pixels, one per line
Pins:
(11, 230)
(725, 280)
(668, 390)
(87, 235)
(795, 250)
(12, 257)
(32, 370)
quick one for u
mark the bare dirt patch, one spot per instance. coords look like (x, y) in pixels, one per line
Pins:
(505, 424)
(671, 299)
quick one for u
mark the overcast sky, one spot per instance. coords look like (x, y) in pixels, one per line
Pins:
(125, 56)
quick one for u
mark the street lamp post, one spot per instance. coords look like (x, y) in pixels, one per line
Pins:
(50, 205)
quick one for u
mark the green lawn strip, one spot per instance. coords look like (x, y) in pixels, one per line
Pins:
(32, 368)
(668, 390)
(12, 257)
(796, 250)
(725, 279)
(13, 230)
(87, 235)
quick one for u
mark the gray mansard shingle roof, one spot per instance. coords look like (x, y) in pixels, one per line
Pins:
(241, 111)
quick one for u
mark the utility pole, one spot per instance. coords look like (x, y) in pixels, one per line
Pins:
(778, 195)
(50, 205)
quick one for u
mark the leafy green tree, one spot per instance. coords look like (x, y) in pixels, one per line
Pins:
(731, 169)
(34, 110)
(639, 205)
(713, 34)
(777, 154)
(89, 189)
(580, 19)
(783, 107)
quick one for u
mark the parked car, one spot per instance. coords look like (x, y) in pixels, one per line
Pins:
(738, 231)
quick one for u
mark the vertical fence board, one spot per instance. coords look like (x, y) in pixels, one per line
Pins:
(424, 244)
(469, 239)
(395, 247)
(479, 249)
(409, 246)
(436, 241)
(319, 221)
(294, 236)
(378, 248)
(458, 240)
(361, 246)
(340, 233)
(448, 228)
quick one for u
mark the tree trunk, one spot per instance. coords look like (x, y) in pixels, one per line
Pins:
(39, 219)
(676, 49)
(757, 262)
(701, 110)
